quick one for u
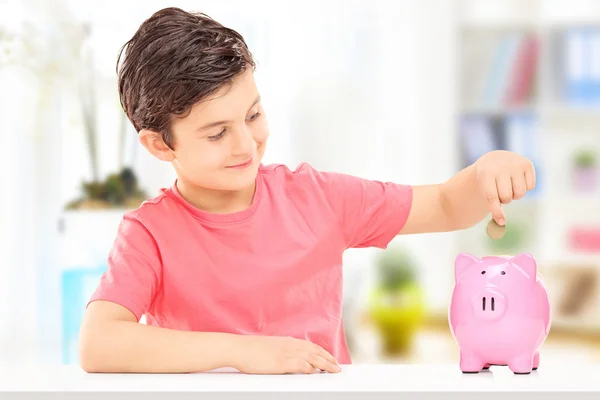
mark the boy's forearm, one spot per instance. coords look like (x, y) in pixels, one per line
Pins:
(462, 200)
(130, 347)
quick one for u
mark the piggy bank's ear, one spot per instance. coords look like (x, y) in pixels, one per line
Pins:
(462, 263)
(527, 263)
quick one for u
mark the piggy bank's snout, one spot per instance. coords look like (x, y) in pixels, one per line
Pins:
(489, 304)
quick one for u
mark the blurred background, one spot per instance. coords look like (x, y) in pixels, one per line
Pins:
(409, 91)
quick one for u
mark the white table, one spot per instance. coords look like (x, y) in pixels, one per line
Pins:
(444, 381)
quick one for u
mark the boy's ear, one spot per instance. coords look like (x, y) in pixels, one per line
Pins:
(154, 143)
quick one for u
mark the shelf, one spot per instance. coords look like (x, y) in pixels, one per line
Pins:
(438, 318)
(526, 14)
(548, 109)
(578, 325)
(568, 13)
(493, 62)
(499, 111)
(591, 201)
(582, 260)
(571, 114)
(499, 14)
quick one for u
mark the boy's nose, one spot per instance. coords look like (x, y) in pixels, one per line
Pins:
(244, 142)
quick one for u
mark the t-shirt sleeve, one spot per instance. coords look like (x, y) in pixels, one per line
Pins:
(134, 274)
(371, 213)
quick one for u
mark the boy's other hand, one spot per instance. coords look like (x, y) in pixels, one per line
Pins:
(281, 355)
(503, 176)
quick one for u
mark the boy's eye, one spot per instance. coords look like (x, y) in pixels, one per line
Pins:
(254, 116)
(222, 133)
(217, 136)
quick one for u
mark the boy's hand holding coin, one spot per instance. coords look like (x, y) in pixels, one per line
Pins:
(503, 176)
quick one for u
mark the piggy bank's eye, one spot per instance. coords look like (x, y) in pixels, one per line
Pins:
(482, 272)
(503, 273)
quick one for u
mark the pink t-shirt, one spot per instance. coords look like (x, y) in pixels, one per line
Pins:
(272, 269)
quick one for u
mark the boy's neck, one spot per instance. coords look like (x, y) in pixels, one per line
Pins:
(216, 201)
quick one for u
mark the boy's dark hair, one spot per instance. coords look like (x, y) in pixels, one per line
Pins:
(175, 59)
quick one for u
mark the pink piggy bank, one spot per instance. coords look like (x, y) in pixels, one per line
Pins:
(499, 312)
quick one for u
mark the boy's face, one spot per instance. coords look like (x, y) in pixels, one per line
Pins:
(220, 143)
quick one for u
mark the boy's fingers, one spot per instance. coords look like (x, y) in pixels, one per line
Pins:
(519, 186)
(303, 367)
(504, 189)
(323, 364)
(490, 192)
(530, 178)
(315, 348)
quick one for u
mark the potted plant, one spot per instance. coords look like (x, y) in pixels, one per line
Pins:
(396, 304)
(90, 221)
(585, 170)
(117, 191)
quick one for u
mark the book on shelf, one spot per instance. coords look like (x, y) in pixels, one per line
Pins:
(580, 52)
(517, 132)
(500, 72)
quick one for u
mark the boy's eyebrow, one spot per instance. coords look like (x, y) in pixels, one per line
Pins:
(217, 123)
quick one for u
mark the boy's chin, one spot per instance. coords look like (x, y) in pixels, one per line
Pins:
(238, 180)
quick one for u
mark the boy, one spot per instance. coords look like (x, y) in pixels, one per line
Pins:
(239, 264)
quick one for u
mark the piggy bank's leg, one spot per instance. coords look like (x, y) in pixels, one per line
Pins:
(470, 363)
(522, 364)
(486, 366)
(536, 360)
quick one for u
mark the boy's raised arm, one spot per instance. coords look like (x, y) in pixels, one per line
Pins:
(465, 199)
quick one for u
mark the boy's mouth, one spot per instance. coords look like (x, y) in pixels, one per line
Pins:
(243, 165)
